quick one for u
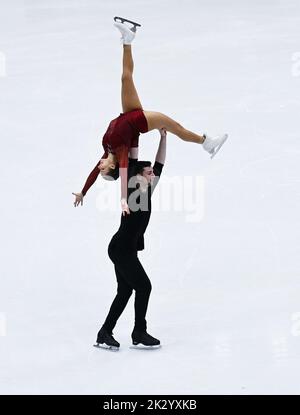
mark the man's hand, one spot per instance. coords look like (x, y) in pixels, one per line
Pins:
(125, 208)
(163, 132)
(78, 198)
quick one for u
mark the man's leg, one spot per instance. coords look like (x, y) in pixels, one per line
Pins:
(130, 98)
(142, 294)
(157, 120)
(124, 292)
(136, 277)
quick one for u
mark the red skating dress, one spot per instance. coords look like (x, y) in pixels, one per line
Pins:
(122, 134)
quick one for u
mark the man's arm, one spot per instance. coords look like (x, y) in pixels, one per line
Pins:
(162, 148)
(160, 158)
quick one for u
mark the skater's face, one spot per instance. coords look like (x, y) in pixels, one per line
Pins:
(104, 166)
(148, 174)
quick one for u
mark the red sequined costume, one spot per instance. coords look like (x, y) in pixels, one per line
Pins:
(122, 134)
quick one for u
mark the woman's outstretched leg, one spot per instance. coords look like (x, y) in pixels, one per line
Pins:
(129, 95)
(157, 120)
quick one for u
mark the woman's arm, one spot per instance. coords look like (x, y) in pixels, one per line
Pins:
(122, 157)
(124, 177)
(134, 153)
(89, 182)
(91, 179)
(124, 180)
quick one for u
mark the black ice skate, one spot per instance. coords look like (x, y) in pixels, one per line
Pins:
(105, 340)
(135, 25)
(141, 339)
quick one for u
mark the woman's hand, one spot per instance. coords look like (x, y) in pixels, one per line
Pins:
(78, 198)
(125, 208)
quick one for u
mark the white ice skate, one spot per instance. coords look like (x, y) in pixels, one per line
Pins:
(213, 145)
(128, 34)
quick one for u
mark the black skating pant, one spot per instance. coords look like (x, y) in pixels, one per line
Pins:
(130, 276)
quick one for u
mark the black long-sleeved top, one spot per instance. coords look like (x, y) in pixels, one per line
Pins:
(130, 235)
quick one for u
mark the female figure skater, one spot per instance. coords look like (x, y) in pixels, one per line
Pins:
(123, 132)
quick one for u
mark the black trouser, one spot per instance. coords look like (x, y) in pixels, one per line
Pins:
(130, 276)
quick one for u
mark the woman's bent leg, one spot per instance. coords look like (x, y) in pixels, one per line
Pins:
(157, 120)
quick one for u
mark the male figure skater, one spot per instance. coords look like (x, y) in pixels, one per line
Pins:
(124, 246)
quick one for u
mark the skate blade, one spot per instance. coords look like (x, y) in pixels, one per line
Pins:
(219, 146)
(144, 347)
(105, 346)
(135, 25)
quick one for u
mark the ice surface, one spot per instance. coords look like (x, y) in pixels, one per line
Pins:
(225, 298)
